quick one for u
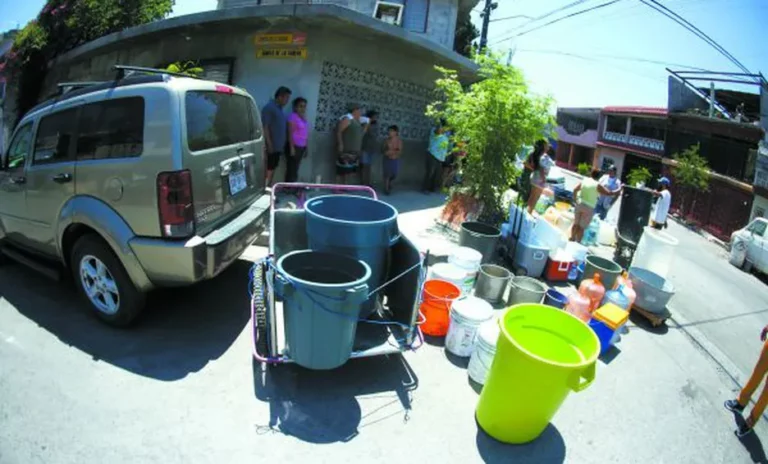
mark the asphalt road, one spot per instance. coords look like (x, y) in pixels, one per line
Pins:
(716, 301)
(181, 386)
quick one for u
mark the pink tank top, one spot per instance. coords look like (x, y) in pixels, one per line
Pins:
(300, 130)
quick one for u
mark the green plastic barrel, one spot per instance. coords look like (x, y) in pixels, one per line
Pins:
(542, 355)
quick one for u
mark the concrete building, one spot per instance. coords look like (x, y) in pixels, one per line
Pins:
(329, 54)
(630, 137)
(576, 136)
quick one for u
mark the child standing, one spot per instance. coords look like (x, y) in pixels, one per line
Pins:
(393, 146)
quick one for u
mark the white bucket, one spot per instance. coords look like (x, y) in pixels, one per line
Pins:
(466, 316)
(485, 349)
(447, 272)
(468, 260)
(577, 250)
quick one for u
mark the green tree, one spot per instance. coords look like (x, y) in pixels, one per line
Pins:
(584, 169)
(495, 117)
(691, 174)
(639, 175)
(466, 33)
(63, 25)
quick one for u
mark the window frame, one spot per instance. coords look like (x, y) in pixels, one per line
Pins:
(399, 6)
(70, 150)
(80, 125)
(755, 224)
(6, 156)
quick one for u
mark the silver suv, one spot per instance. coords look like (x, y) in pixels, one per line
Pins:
(149, 180)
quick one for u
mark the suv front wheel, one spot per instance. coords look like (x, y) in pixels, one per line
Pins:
(104, 283)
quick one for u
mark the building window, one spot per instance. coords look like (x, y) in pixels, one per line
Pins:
(648, 128)
(390, 13)
(616, 124)
(415, 15)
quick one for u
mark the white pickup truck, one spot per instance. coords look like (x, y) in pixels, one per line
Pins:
(755, 235)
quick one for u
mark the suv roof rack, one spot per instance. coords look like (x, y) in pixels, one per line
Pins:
(121, 71)
(126, 75)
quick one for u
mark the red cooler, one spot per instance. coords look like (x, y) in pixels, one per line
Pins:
(558, 266)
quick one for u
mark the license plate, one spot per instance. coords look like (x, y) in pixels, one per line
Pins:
(237, 182)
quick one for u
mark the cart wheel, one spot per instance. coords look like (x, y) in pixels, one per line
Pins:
(260, 308)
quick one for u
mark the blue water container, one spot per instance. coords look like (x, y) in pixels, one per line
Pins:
(354, 226)
(604, 334)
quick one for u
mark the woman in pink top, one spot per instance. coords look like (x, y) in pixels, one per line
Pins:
(298, 131)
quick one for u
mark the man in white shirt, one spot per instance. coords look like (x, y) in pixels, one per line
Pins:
(659, 219)
(611, 183)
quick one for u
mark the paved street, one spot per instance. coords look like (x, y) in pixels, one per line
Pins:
(716, 301)
(181, 387)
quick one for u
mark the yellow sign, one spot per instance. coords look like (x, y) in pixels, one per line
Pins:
(295, 53)
(273, 39)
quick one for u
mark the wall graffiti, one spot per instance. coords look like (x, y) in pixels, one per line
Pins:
(397, 101)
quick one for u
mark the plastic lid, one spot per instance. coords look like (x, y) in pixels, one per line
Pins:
(448, 271)
(489, 332)
(611, 315)
(473, 308)
(467, 254)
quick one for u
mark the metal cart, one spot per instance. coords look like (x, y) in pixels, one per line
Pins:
(393, 328)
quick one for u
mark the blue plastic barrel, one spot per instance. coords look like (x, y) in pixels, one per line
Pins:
(354, 226)
(323, 294)
(604, 334)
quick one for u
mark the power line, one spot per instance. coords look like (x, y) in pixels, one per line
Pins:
(612, 57)
(512, 17)
(562, 18)
(695, 30)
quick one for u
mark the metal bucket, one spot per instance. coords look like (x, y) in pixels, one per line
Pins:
(526, 290)
(653, 291)
(609, 271)
(492, 283)
(481, 237)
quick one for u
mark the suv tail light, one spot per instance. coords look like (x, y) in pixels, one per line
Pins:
(174, 200)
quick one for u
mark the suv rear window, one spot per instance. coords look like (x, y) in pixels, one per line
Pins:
(216, 119)
(111, 129)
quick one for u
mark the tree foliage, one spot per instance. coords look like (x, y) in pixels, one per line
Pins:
(495, 117)
(466, 33)
(691, 174)
(584, 169)
(639, 175)
(63, 25)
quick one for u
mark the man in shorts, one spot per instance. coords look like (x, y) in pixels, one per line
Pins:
(349, 144)
(659, 218)
(587, 193)
(275, 130)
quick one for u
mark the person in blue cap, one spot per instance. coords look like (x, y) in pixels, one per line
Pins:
(659, 217)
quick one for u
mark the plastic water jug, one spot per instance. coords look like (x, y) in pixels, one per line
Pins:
(579, 304)
(594, 290)
(590, 235)
(617, 297)
(627, 288)
(551, 215)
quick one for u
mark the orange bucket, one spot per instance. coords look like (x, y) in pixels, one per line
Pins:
(436, 301)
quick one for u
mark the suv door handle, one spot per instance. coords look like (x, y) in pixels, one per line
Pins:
(62, 178)
(18, 180)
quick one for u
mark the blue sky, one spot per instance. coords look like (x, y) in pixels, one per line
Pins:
(627, 29)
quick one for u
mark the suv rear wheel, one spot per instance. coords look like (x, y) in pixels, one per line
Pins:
(103, 282)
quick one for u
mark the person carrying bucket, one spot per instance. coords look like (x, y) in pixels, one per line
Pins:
(587, 192)
(738, 404)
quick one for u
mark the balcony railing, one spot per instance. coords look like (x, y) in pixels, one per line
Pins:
(634, 140)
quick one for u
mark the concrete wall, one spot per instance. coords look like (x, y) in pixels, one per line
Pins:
(441, 14)
(759, 207)
(396, 75)
(614, 156)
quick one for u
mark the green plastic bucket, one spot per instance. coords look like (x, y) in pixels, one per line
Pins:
(541, 356)
(609, 270)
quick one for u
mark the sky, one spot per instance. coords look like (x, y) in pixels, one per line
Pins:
(591, 59)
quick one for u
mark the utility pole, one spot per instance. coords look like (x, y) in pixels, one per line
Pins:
(509, 57)
(486, 15)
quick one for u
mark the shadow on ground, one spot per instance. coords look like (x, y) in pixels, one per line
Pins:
(548, 448)
(178, 333)
(751, 443)
(327, 406)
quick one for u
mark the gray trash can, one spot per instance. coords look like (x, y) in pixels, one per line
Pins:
(322, 296)
(481, 237)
